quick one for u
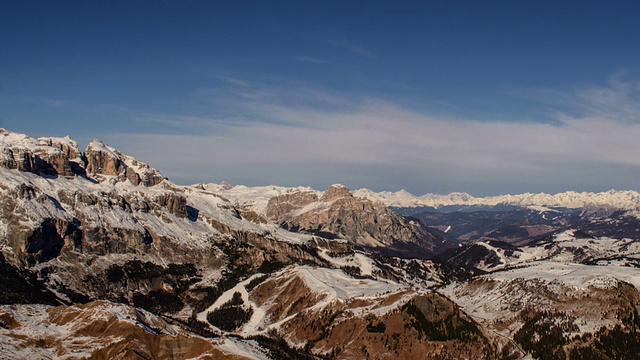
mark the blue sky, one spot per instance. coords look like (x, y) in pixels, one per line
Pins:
(486, 97)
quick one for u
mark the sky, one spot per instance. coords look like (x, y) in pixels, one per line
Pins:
(485, 97)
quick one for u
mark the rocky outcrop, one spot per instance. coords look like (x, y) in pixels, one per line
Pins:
(338, 214)
(175, 203)
(102, 160)
(335, 192)
(17, 158)
(66, 146)
(283, 206)
(47, 156)
(62, 156)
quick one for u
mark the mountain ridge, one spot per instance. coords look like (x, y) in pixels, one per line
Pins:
(623, 199)
(290, 273)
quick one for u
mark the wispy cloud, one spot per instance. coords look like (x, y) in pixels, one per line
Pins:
(284, 130)
(618, 99)
(350, 47)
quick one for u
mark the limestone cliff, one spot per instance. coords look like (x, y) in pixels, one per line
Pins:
(338, 214)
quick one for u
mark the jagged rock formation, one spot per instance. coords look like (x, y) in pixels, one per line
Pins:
(88, 240)
(100, 225)
(62, 157)
(104, 160)
(337, 213)
(49, 156)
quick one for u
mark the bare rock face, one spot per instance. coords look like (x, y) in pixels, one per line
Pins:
(133, 176)
(335, 192)
(102, 160)
(147, 175)
(18, 158)
(337, 213)
(67, 146)
(176, 204)
(281, 207)
(61, 155)
(46, 156)
(53, 163)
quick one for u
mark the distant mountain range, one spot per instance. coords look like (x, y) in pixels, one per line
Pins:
(103, 257)
(257, 197)
(622, 199)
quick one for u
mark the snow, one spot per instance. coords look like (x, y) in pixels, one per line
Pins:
(247, 348)
(194, 234)
(526, 278)
(623, 199)
(334, 284)
(11, 139)
(358, 259)
(577, 276)
(259, 314)
(253, 198)
(340, 286)
(543, 209)
(35, 323)
(98, 145)
(400, 198)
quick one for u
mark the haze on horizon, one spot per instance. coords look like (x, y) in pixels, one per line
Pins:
(487, 97)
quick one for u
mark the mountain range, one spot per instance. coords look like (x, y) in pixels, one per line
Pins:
(626, 199)
(101, 256)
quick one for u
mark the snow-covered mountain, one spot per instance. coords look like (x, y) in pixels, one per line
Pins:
(100, 228)
(621, 199)
(101, 257)
(566, 294)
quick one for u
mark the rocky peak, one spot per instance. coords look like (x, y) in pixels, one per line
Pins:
(225, 185)
(102, 159)
(140, 173)
(54, 156)
(338, 214)
(335, 192)
(105, 160)
(62, 156)
(48, 156)
(66, 145)
(281, 207)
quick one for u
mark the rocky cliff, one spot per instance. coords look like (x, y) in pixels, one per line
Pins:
(339, 214)
(103, 257)
(79, 227)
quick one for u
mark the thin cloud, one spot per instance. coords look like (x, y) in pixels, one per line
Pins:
(618, 99)
(352, 137)
(350, 47)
